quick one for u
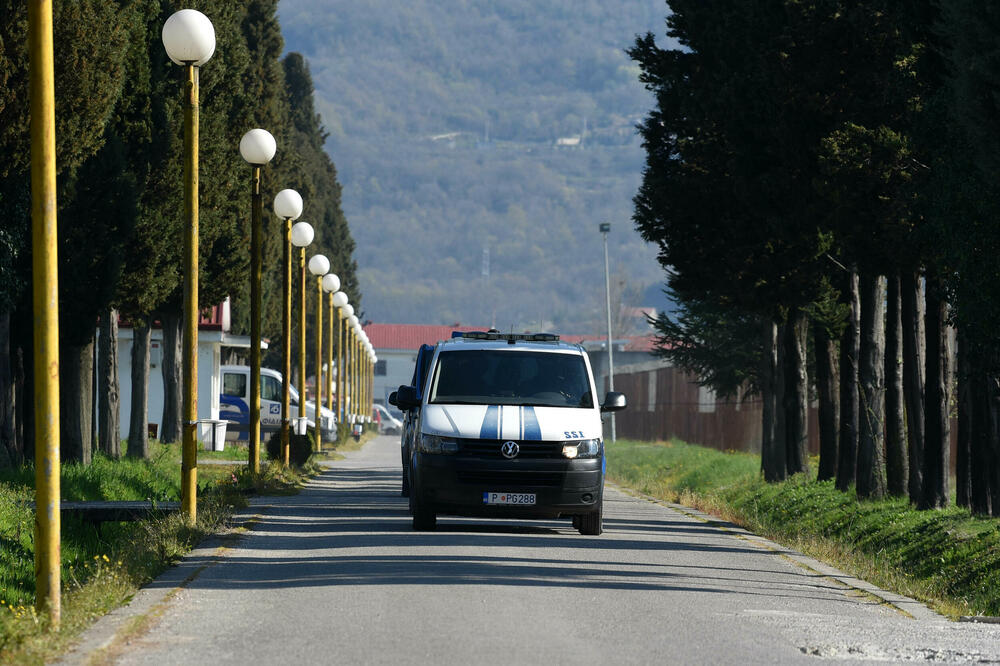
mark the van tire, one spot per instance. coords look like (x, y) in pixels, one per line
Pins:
(405, 491)
(592, 524)
(424, 518)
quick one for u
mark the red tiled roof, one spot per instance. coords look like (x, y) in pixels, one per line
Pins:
(411, 336)
(635, 343)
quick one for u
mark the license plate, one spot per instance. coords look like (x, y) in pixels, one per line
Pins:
(508, 498)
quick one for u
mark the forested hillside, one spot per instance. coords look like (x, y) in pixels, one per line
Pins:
(443, 121)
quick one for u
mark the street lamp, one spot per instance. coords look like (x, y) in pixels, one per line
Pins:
(330, 284)
(369, 376)
(45, 306)
(288, 206)
(346, 405)
(340, 302)
(355, 366)
(257, 147)
(319, 266)
(302, 236)
(605, 228)
(189, 39)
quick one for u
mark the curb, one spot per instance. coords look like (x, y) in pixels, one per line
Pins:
(905, 605)
(97, 643)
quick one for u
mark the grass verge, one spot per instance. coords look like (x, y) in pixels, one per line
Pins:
(947, 558)
(103, 566)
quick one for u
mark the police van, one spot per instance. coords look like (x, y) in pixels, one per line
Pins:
(234, 404)
(508, 426)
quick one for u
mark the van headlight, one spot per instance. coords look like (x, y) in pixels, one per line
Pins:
(436, 444)
(586, 448)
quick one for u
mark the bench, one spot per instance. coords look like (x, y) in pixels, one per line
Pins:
(106, 512)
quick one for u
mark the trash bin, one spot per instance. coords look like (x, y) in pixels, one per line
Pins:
(212, 433)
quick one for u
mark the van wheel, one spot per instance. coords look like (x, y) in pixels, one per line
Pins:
(405, 491)
(424, 518)
(592, 524)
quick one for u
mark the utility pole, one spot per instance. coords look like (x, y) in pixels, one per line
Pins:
(605, 228)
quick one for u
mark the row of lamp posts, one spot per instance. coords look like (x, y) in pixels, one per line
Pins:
(189, 40)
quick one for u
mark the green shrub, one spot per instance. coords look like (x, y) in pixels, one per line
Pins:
(300, 448)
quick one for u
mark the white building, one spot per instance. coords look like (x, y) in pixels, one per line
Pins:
(213, 335)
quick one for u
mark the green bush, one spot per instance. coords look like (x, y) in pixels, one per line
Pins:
(300, 448)
(947, 557)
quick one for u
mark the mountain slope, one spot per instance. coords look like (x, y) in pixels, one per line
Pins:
(444, 120)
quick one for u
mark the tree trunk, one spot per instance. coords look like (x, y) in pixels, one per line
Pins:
(913, 379)
(829, 400)
(963, 452)
(978, 392)
(992, 453)
(871, 426)
(138, 436)
(9, 451)
(170, 424)
(796, 397)
(936, 426)
(24, 391)
(772, 457)
(850, 351)
(76, 401)
(896, 464)
(109, 388)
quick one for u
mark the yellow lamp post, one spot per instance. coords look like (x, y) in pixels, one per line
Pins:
(319, 266)
(302, 236)
(330, 283)
(288, 206)
(45, 277)
(346, 405)
(339, 301)
(257, 147)
(189, 39)
(366, 355)
(355, 375)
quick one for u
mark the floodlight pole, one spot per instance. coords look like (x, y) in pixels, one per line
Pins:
(605, 227)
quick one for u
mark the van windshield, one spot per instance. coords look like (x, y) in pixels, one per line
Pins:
(494, 377)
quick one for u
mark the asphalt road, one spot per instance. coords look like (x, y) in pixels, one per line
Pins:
(335, 575)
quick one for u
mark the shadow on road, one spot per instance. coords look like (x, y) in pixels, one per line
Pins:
(351, 527)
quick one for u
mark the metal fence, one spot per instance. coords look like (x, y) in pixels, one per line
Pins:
(666, 402)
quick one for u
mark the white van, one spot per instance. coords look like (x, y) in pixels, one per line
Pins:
(508, 427)
(234, 404)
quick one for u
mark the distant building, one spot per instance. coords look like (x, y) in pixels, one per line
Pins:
(396, 346)
(213, 335)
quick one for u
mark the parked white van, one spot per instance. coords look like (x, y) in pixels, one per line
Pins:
(234, 404)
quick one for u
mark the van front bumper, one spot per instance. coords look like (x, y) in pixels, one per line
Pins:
(456, 484)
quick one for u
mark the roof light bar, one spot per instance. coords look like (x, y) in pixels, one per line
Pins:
(509, 337)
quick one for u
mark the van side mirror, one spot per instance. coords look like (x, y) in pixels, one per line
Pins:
(392, 399)
(406, 397)
(613, 402)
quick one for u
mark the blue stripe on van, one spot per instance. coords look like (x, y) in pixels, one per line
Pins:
(491, 423)
(531, 428)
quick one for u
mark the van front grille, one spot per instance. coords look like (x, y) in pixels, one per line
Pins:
(490, 448)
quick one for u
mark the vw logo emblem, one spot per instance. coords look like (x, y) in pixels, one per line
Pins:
(510, 449)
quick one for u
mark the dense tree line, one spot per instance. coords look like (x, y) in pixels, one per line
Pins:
(819, 183)
(119, 150)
